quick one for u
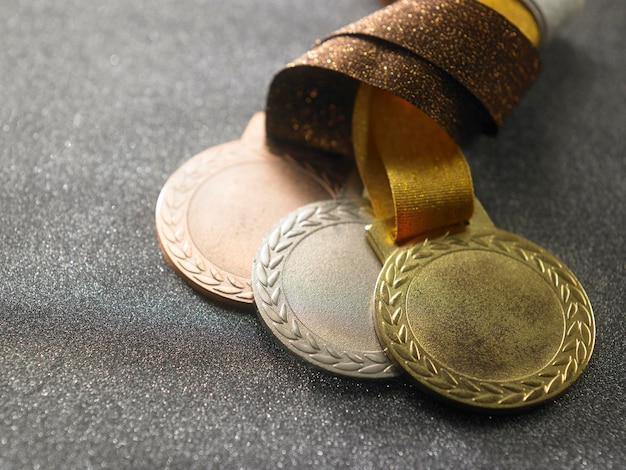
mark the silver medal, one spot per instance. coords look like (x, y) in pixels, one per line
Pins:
(313, 281)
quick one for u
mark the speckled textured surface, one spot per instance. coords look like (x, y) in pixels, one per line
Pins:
(109, 360)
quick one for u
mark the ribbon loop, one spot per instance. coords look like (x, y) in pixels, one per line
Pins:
(431, 73)
(310, 101)
(462, 63)
(414, 172)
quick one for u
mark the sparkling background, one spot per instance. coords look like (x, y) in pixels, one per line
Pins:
(108, 360)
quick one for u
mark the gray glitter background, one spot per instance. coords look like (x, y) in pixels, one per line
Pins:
(109, 360)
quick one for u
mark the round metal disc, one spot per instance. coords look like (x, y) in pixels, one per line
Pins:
(488, 320)
(216, 208)
(313, 281)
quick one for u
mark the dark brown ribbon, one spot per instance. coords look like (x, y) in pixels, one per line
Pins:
(460, 62)
(473, 43)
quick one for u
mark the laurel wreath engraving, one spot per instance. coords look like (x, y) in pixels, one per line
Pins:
(568, 363)
(277, 313)
(178, 193)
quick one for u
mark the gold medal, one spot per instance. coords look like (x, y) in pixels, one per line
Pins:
(216, 208)
(313, 279)
(477, 315)
(482, 317)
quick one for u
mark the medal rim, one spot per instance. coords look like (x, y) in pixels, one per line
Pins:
(395, 332)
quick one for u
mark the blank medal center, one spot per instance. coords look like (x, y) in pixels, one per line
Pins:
(485, 315)
(231, 212)
(329, 280)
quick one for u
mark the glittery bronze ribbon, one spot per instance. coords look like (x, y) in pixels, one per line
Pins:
(473, 43)
(460, 62)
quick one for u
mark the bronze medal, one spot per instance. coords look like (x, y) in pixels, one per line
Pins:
(214, 211)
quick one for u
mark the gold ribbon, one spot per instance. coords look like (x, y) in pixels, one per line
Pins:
(415, 173)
